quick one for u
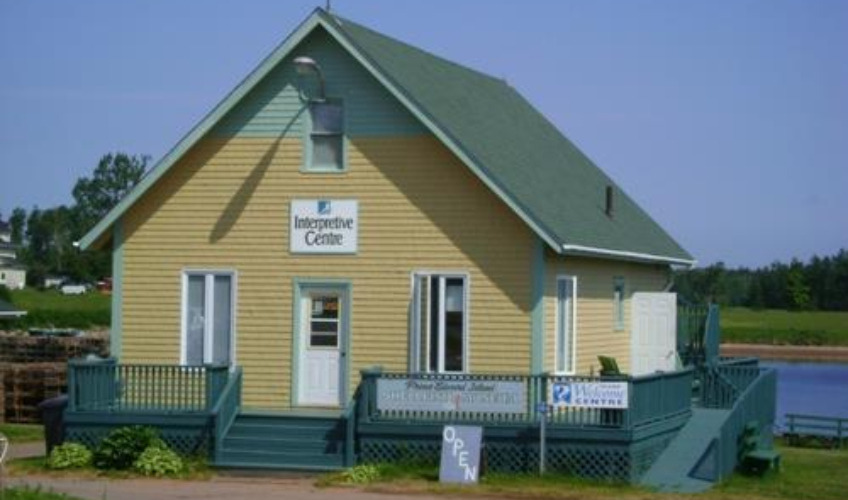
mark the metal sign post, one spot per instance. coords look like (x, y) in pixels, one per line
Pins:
(542, 409)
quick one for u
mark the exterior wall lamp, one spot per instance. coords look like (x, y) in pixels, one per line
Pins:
(306, 65)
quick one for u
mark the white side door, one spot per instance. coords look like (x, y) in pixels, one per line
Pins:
(654, 332)
(322, 327)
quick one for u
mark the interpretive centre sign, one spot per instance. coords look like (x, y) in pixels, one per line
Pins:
(324, 226)
(590, 394)
(411, 394)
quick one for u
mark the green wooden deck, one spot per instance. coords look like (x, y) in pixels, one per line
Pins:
(664, 438)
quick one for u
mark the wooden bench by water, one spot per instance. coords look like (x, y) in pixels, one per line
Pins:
(830, 429)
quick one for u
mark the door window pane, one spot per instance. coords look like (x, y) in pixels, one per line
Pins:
(324, 322)
(195, 319)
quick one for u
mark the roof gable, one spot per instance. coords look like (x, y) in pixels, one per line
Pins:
(537, 168)
(509, 145)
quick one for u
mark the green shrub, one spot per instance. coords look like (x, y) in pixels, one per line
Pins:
(122, 447)
(361, 474)
(69, 456)
(159, 460)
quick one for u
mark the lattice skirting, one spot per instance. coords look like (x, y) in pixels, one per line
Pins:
(183, 440)
(645, 452)
(603, 461)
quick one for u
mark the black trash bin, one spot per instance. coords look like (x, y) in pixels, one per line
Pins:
(53, 416)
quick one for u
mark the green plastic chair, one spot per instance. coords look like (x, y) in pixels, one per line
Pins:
(609, 366)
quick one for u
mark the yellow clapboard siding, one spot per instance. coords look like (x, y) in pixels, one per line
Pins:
(595, 332)
(226, 206)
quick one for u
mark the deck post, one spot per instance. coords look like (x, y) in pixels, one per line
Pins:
(368, 398)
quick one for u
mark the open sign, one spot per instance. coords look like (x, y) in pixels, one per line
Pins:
(460, 454)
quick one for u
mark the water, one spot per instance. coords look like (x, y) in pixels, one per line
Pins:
(810, 389)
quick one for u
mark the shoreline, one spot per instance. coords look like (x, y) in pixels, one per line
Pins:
(837, 354)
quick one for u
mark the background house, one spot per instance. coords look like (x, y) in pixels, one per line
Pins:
(12, 272)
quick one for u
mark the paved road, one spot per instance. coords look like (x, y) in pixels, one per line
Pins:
(223, 488)
(229, 487)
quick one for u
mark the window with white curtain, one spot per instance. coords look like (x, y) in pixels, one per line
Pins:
(208, 317)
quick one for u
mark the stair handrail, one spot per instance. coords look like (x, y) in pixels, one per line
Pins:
(226, 409)
(755, 403)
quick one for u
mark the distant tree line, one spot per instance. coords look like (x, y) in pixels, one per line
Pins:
(45, 237)
(819, 284)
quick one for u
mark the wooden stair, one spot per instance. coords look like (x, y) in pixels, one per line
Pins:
(296, 441)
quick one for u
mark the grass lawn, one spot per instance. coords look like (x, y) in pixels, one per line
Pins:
(32, 494)
(806, 474)
(196, 469)
(31, 298)
(50, 308)
(747, 326)
(22, 433)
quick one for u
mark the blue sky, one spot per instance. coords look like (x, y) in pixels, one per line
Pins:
(726, 120)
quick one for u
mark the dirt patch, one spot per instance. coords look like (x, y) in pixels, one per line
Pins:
(787, 352)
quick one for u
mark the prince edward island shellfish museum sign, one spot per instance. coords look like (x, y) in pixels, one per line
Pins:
(409, 394)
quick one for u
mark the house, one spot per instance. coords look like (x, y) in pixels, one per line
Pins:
(357, 202)
(12, 272)
(409, 213)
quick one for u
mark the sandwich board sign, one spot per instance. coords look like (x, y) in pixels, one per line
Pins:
(460, 454)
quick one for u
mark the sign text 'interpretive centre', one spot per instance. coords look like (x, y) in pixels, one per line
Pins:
(324, 226)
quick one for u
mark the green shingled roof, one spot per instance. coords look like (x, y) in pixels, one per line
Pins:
(537, 167)
(509, 145)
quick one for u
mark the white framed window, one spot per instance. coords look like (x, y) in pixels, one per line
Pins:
(325, 148)
(618, 303)
(439, 323)
(566, 324)
(208, 317)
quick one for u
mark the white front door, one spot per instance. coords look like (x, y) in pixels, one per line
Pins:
(654, 332)
(323, 327)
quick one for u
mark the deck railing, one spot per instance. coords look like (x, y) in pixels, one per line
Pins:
(691, 325)
(756, 403)
(108, 386)
(226, 409)
(723, 383)
(651, 399)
